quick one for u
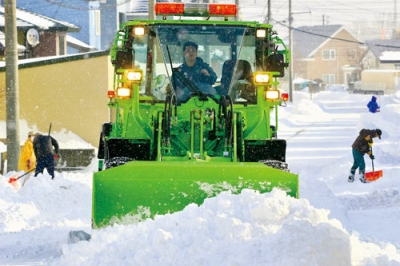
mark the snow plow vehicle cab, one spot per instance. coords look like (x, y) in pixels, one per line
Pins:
(163, 149)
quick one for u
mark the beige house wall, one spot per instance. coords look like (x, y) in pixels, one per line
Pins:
(387, 66)
(370, 61)
(391, 78)
(70, 93)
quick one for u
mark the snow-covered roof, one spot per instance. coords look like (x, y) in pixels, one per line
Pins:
(20, 47)
(308, 39)
(75, 43)
(387, 51)
(390, 55)
(26, 20)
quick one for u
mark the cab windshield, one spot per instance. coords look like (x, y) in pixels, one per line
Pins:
(183, 60)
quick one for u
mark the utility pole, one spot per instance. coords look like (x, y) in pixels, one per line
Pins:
(291, 53)
(269, 11)
(12, 90)
(238, 13)
(395, 15)
(151, 9)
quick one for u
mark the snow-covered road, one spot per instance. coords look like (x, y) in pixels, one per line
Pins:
(319, 137)
(333, 223)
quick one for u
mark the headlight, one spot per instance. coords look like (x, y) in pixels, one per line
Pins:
(139, 31)
(124, 93)
(262, 78)
(272, 95)
(133, 75)
(261, 33)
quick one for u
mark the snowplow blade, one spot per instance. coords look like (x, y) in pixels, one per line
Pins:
(139, 190)
(372, 176)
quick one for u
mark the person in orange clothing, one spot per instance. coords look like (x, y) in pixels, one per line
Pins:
(27, 158)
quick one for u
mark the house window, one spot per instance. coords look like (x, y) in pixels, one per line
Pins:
(61, 44)
(328, 78)
(353, 53)
(97, 22)
(397, 66)
(329, 54)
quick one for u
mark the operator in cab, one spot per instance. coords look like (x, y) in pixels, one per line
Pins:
(195, 70)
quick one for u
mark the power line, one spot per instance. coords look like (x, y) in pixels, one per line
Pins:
(341, 12)
(339, 39)
(104, 6)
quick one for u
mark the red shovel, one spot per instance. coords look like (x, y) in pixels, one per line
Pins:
(374, 175)
(15, 177)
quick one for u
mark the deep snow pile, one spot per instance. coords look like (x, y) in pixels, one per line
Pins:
(333, 223)
(250, 229)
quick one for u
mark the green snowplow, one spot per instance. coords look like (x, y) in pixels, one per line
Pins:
(173, 140)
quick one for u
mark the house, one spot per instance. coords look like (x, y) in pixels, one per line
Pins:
(20, 48)
(97, 20)
(328, 52)
(381, 67)
(38, 35)
(382, 54)
(78, 46)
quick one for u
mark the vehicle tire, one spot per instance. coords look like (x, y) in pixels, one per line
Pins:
(117, 161)
(276, 164)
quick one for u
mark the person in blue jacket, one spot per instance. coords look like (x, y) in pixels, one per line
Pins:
(373, 106)
(195, 70)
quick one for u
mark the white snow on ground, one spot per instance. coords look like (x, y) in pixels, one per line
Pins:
(333, 223)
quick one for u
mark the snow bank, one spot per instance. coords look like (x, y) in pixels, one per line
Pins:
(250, 229)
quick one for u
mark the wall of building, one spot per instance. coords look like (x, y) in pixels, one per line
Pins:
(387, 66)
(70, 92)
(391, 78)
(47, 45)
(370, 61)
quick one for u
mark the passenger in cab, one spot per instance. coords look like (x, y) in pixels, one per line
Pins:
(195, 70)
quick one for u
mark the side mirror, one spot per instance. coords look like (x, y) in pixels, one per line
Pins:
(124, 60)
(276, 63)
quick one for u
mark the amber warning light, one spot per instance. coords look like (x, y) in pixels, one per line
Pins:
(195, 9)
(285, 97)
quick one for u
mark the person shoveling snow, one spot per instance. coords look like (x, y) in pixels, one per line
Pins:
(361, 146)
(27, 158)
